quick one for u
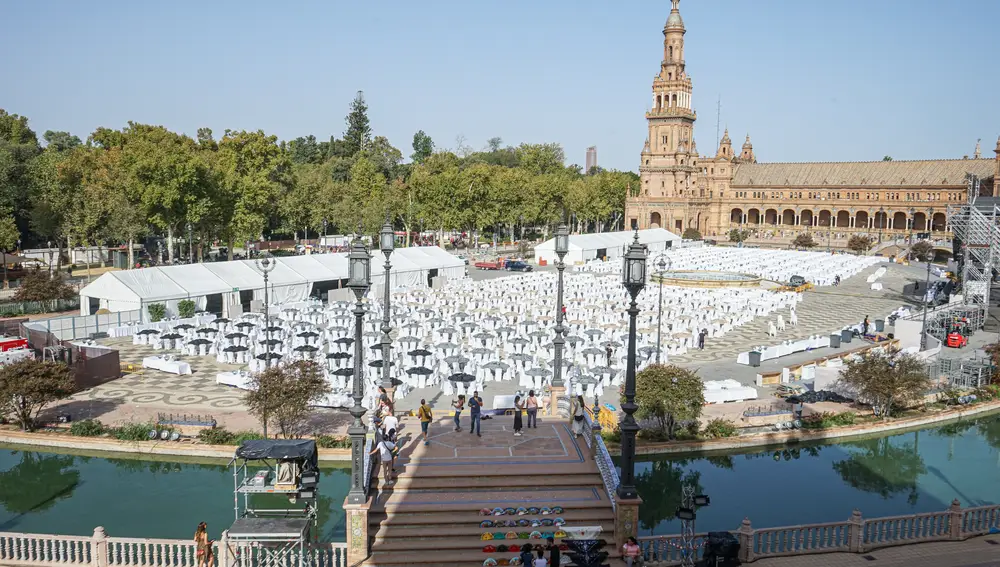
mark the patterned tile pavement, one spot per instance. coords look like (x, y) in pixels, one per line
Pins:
(550, 443)
(976, 552)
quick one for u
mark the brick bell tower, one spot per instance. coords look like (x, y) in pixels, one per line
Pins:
(668, 161)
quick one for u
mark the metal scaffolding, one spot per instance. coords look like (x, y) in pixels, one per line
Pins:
(974, 224)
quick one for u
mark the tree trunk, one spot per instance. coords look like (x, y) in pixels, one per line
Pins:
(170, 244)
(406, 227)
(131, 253)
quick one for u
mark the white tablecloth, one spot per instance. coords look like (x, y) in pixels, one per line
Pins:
(720, 391)
(171, 366)
(237, 379)
(129, 330)
(778, 351)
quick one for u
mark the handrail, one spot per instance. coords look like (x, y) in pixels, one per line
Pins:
(609, 473)
(856, 535)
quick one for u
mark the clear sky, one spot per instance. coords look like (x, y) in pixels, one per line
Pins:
(809, 80)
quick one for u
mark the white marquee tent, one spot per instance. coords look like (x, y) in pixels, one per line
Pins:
(586, 247)
(294, 278)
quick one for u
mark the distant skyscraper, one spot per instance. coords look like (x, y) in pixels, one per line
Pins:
(591, 158)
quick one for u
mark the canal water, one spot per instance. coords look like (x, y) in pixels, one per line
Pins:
(921, 471)
(909, 473)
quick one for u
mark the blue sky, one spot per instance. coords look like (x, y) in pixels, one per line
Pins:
(809, 80)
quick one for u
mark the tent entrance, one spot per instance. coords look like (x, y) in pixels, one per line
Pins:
(322, 289)
(602, 253)
(213, 303)
(93, 305)
(246, 296)
(431, 274)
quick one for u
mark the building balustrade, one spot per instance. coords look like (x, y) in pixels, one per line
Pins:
(856, 535)
(99, 550)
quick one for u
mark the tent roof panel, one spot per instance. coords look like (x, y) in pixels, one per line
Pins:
(107, 285)
(196, 279)
(309, 267)
(150, 284)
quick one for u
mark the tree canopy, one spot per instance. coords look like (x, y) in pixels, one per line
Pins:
(668, 395)
(887, 380)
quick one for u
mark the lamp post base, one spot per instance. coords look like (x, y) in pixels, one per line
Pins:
(555, 394)
(626, 520)
(357, 531)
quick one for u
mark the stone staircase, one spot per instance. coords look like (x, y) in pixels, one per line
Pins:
(432, 514)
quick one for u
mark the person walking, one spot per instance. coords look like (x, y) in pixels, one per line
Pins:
(864, 326)
(527, 557)
(385, 449)
(475, 406)
(553, 551)
(632, 552)
(610, 352)
(426, 416)
(579, 422)
(531, 407)
(203, 545)
(459, 405)
(518, 406)
(701, 339)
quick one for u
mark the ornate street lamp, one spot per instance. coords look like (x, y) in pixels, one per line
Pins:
(881, 220)
(662, 265)
(562, 248)
(634, 279)
(927, 288)
(359, 279)
(387, 241)
(190, 244)
(265, 263)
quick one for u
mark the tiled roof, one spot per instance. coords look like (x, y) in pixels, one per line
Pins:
(873, 173)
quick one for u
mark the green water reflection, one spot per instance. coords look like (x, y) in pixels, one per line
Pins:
(72, 494)
(914, 472)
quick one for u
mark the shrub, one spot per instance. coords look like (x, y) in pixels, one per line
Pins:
(804, 240)
(185, 308)
(132, 431)
(826, 420)
(333, 442)
(87, 428)
(216, 436)
(611, 436)
(720, 428)
(29, 385)
(40, 285)
(240, 436)
(157, 311)
(668, 396)
(691, 233)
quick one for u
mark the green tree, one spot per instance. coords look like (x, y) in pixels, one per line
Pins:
(668, 395)
(60, 141)
(283, 396)
(804, 240)
(886, 380)
(366, 199)
(886, 158)
(494, 144)
(736, 235)
(880, 467)
(27, 386)
(691, 233)
(541, 158)
(18, 150)
(423, 147)
(305, 150)
(359, 129)
(922, 251)
(859, 244)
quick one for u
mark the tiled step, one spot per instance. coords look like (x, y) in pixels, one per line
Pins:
(437, 532)
(458, 558)
(426, 501)
(421, 481)
(471, 545)
(442, 518)
(407, 468)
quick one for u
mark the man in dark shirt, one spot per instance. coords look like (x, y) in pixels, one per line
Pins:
(475, 406)
(553, 551)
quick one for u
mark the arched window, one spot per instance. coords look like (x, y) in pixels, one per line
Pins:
(670, 50)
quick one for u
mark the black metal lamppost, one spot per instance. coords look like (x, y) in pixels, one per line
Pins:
(562, 248)
(662, 265)
(190, 244)
(387, 241)
(634, 279)
(881, 221)
(359, 280)
(927, 289)
(265, 263)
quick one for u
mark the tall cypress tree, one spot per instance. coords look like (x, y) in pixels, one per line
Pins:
(359, 130)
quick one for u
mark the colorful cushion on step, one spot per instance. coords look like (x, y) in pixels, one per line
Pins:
(490, 562)
(489, 549)
(512, 523)
(557, 510)
(486, 537)
(559, 534)
(522, 511)
(523, 535)
(559, 522)
(524, 523)
(498, 512)
(535, 535)
(486, 512)
(486, 524)
(545, 511)
(503, 562)
(514, 548)
(533, 511)
(564, 560)
(512, 535)
(563, 547)
(501, 548)
(499, 535)
(547, 522)
(536, 523)
(510, 511)
(515, 561)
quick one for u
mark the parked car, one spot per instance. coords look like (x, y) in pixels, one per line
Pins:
(518, 266)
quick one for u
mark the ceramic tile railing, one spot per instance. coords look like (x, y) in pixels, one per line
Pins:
(604, 463)
(856, 535)
(45, 550)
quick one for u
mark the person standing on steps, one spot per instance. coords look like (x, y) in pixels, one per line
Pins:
(527, 557)
(531, 406)
(475, 406)
(553, 551)
(459, 405)
(426, 416)
(384, 448)
(518, 425)
(540, 560)
(579, 421)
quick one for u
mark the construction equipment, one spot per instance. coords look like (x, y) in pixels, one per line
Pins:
(959, 330)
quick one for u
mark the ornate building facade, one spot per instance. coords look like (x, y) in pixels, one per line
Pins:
(680, 189)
